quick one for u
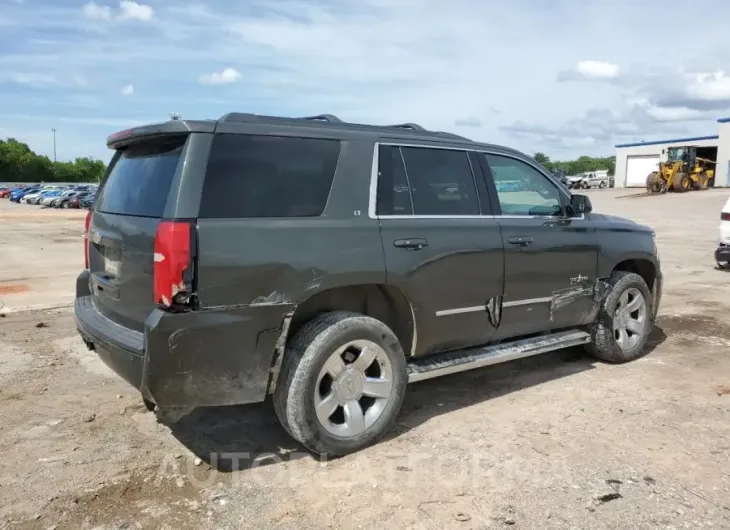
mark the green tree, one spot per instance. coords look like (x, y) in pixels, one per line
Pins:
(542, 158)
(18, 163)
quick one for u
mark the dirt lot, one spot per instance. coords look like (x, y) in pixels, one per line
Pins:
(557, 441)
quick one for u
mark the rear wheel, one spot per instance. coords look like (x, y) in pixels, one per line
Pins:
(341, 384)
(702, 182)
(624, 321)
(602, 185)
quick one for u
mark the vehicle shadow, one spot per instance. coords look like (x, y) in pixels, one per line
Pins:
(240, 437)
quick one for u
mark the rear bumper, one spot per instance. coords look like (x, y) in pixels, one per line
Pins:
(221, 356)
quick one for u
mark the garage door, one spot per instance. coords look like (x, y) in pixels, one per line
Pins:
(638, 168)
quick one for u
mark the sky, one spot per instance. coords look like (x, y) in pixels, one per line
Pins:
(562, 77)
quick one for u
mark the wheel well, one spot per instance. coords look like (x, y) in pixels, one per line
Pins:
(642, 267)
(383, 302)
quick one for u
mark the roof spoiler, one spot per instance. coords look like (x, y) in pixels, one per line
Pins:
(128, 136)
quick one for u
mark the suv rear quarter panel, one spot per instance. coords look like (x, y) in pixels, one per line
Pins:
(284, 261)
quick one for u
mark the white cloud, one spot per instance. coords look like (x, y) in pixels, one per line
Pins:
(32, 79)
(670, 114)
(128, 10)
(710, 87)
(131, 10)
(94, 11)
(227, 76)
(127, 90)
(597, 70)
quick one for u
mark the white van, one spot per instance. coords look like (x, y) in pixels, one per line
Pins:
(722, 254)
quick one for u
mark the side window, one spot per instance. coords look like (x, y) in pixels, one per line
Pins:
(523, 190)
(441, 181)
(268, 176)
(394, 196)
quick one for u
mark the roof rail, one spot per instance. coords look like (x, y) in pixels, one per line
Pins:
(329, 118)
(325, 120)
(409, 126)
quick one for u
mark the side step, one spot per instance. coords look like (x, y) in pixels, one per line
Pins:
(458, 361)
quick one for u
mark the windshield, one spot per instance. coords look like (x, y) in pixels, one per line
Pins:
(676, 154)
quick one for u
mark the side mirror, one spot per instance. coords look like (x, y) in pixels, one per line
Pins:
(580, 204)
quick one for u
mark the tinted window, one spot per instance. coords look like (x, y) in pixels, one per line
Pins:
(441, 181)
(394, 196)
(522, 189)
(140, 179)
(268, 176)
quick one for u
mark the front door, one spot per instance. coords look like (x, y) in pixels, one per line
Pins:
(442, 247)
(550, 259)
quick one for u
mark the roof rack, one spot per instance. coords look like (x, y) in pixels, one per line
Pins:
(329, 118)
(409, 126)
(325, 120)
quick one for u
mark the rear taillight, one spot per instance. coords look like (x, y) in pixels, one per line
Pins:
(87, 224)
(725, 216)
(172, 259)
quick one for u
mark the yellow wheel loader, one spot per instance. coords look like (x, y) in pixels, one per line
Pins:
(683, 171)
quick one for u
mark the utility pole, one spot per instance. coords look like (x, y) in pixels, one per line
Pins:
(54, 144)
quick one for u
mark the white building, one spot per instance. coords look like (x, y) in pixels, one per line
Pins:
(635, 161)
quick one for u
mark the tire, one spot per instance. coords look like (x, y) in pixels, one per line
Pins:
(301, 382)
(584, 185)
(681, 183)
(602, 185)
(604, 344)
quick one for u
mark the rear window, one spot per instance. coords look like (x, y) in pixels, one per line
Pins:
(140, 180)
(268, 176)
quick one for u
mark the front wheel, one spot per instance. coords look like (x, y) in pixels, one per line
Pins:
(625, 320)
(342, 383)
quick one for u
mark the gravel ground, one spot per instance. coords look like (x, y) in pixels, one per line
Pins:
(556, 441)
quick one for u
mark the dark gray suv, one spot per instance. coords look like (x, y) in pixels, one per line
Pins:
(331, 263)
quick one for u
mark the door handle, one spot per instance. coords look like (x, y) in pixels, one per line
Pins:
(522, 241)
(411, 244)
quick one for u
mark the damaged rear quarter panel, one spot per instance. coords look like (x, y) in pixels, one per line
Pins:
(263, 262)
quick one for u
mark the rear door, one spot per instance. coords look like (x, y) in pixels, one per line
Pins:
(124, 222)
(442, 246)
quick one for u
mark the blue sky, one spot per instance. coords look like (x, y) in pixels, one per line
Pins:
(563, 77)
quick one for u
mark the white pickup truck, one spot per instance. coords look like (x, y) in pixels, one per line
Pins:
(589, 179)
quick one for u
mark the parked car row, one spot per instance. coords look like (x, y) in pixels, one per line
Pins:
(53, 196)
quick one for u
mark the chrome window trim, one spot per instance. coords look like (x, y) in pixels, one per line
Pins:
(372, 200)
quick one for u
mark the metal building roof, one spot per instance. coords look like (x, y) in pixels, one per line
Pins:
(673, 140)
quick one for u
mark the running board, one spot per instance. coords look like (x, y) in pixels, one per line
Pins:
(458, 361)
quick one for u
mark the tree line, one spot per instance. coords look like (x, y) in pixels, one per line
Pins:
(18, 163)
(582, 164)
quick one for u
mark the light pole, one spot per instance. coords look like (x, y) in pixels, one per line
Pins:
(54, 144)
